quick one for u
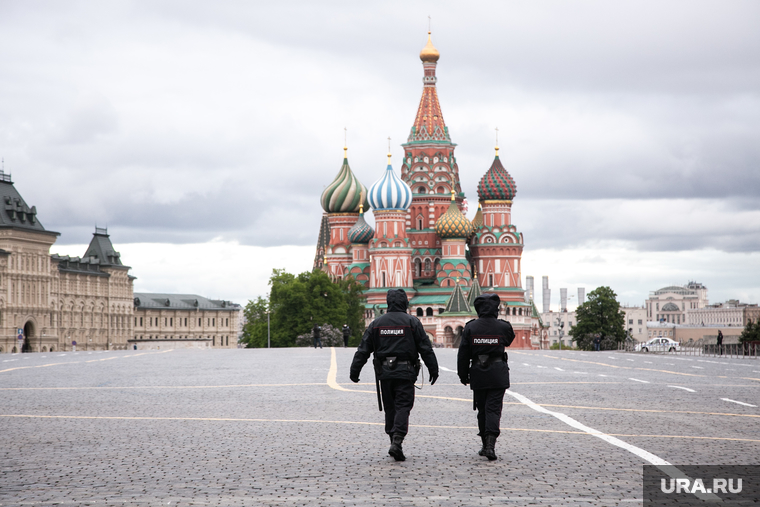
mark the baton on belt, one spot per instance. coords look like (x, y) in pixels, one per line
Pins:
(377, 388)
(379, 396)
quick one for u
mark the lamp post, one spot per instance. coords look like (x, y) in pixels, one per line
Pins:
(269, 337)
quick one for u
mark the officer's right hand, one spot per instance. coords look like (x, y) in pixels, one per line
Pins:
(463, 380)
(355, 380)
(433, 378)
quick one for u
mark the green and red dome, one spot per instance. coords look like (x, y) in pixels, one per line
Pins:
(497, 184)
(345, 193)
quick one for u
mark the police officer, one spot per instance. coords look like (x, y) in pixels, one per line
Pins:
(482, 363)
(397, 339)
(317, 331)
(346, 334)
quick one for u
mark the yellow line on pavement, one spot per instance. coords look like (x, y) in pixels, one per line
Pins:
(331, 381)
(152, 387)
(360, 423)
(332, 374)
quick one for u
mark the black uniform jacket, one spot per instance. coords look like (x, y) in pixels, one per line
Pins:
(483, 340)
(399, 335)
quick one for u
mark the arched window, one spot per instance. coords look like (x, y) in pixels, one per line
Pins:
(420, 222)
(490, 280)
(383, 278)
(417, 267)
(419, 312)
(429, 312)
(427, 264)
(422, 190)
(440, 190)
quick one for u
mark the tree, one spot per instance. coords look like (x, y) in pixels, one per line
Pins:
(751, 332)
(599, 316)
(255, 328)
(299, 302)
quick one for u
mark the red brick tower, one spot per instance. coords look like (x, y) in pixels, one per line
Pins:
(430, 170)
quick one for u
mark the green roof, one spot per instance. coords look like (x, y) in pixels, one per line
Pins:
(457, 303)
(428, 300)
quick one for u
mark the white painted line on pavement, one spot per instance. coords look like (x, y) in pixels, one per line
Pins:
(602, 375)
(698, 367)
(637, 380)
(560, 369)
(684, 388)
(631, 360)
(610, 357)
(526, 364)
(445, 369)
(648, 362)
(646, 456)
(660, 463)
(541, 366)
(739, 402)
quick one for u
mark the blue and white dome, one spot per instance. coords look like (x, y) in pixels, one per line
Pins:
(390, 192)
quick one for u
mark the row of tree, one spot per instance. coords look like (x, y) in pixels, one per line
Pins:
(297, 302)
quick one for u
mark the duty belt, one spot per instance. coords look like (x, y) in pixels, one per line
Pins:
(392, 362)
(484, 360)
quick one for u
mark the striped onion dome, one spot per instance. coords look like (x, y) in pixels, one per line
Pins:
(497, 184)
(344, 194)
(453, 224)
(361, 232)
(390, 192)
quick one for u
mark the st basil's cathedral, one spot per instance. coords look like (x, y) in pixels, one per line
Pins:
(422, 242)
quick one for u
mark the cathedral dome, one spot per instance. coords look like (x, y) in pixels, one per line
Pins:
(390, 192)
(345, 194)
(453, 224)
(429, 53)
(497, 184)
(361, 232)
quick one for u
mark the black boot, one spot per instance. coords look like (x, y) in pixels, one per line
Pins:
(395, 449)
(482, 451)
(489, 448)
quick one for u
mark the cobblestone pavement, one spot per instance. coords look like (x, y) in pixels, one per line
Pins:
(274, 427)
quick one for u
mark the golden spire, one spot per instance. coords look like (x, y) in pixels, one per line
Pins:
(497, 141)
(452, 194)
(361, 208)
(389, 151)
(345, 142)
(429, 53)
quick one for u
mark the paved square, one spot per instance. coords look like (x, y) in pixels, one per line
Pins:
(287, 427)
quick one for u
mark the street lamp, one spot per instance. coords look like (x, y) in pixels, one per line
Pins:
(269, 338)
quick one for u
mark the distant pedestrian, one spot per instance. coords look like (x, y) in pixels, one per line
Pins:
(720, 342)
(317, 330)
(396, 339)
(346, 334)
(482, 363)
(597, 343)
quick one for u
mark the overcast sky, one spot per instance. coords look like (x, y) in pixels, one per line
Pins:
(202, 133)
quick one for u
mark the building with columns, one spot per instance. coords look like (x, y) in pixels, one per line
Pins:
(422, 241)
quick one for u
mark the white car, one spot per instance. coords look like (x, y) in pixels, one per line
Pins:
(659, 344)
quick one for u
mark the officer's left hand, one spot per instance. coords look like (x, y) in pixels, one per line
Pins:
(463, 380)
(355, 380)
(433, 378)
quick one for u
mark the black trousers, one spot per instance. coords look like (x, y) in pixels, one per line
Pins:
(398, 400)
(489, 403)
(318, 341)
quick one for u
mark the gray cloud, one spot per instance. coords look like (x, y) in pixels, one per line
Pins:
(187, 121)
